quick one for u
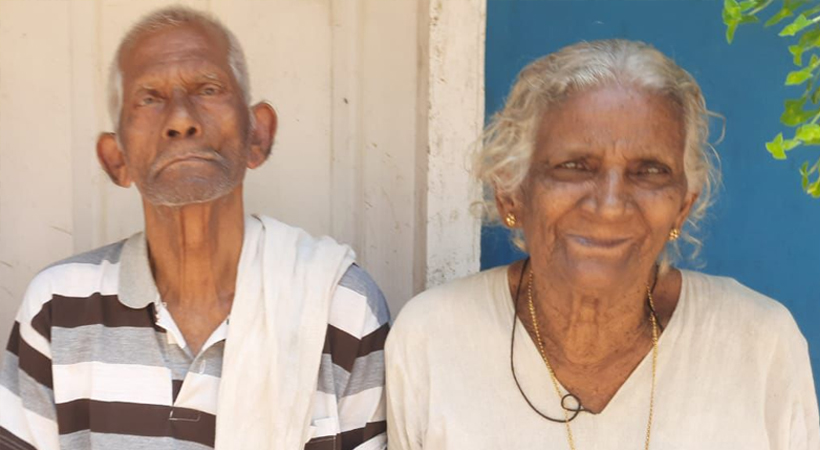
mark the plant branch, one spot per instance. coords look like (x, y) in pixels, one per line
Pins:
(761, 7)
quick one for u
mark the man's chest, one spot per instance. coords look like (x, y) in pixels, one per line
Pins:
(129, 376)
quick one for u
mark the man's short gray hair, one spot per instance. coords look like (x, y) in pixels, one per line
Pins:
(173, 16)
(503, 161)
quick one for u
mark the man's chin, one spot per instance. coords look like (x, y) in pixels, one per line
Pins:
(188, 194)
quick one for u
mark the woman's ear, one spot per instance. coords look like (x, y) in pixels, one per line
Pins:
(688, 203)
(509, 208)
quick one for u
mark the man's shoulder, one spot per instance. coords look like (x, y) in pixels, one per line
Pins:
(358, 306)
(80, 268)
(108, 253)
(79, 276)
(360, 284)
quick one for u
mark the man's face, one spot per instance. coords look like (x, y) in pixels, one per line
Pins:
(184, 126)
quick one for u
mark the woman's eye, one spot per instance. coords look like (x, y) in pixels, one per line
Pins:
(572, 165)
(653, 170)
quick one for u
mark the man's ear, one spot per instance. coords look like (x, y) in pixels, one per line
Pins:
(112, 159)
(262, 134)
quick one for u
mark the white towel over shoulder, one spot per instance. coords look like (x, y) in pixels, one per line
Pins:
(277, 331)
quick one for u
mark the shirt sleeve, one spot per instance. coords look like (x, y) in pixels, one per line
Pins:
(357, 330)
(27, 411)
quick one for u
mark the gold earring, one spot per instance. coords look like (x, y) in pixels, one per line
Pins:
(509, 219)
(674, 234)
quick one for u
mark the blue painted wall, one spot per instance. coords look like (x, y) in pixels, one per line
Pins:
(763, 231)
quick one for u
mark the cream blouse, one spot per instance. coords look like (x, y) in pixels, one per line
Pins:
(733, 373)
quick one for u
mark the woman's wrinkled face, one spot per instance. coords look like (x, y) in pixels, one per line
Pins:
(605, 186)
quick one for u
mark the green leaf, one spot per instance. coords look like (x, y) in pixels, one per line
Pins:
(814, 189)
(800, 23)
(793, 112)
(778, 146)
(808, 40)
(730, 31)
(815, 96)
(731, 10)
(731, 17)
(809, 37)
(804, 175)
(809, 187)
(798, 77)
(749, 19)
(747, 5)
(775, 19)
(797, 54)
(809, 134)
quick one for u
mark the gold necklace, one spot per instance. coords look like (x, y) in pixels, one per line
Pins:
(570, 439)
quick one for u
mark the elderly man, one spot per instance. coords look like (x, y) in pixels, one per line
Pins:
(213, 328)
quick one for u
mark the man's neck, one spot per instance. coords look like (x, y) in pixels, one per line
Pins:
(194, 252)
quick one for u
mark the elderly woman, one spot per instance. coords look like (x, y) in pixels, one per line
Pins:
(600, 163)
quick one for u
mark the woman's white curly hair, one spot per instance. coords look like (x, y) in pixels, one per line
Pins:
(502, 162)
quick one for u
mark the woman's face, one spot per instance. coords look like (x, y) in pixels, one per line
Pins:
(605, 187)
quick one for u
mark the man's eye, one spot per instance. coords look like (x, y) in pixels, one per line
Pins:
(148, 100)
(209, 90)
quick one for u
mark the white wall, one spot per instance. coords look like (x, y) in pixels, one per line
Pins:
(379, 101)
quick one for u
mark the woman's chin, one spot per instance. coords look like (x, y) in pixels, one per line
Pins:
(597, 274)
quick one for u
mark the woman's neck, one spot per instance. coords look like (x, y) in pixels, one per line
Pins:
(588, 328)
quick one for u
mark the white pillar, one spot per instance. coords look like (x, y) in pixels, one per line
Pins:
(452, 108)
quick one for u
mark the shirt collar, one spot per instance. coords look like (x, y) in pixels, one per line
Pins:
(137, 289)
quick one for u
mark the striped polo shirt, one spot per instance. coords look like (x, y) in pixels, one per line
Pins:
(92, 365)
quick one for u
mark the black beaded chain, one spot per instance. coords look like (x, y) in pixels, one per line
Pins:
(579, 408)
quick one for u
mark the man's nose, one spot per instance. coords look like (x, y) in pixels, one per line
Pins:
(182, 121)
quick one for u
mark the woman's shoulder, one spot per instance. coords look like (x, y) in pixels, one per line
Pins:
(725, 300)
(443, 305)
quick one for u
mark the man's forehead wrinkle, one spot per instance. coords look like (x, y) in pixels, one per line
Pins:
(183, 66)
(183, 41)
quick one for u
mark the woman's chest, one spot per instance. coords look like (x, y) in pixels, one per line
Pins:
(492, 398)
